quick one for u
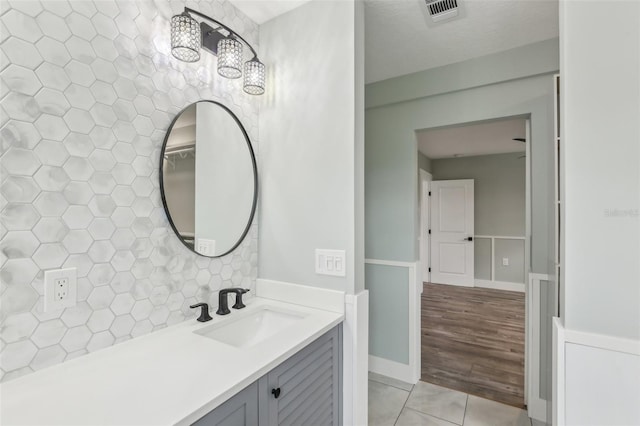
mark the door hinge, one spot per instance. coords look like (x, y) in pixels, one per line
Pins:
(429, 231)
(429, 193)
(429, 269)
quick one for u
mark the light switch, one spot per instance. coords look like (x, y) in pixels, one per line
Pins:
(331, 262)
(338, 264)
(206, 247)
(505, 261)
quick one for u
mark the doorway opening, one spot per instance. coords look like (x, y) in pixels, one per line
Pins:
(475, 257)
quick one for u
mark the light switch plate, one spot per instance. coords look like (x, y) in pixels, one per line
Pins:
(206, 247)
(60, 289)
(331, 262)
(505, 261)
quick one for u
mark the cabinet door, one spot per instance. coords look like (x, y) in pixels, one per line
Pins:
(306, 388)
(240, 410)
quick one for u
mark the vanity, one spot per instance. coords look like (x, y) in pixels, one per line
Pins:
(287, 370)
(304, 389)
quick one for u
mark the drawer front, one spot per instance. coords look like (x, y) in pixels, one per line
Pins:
(305, 389)
(240, 410)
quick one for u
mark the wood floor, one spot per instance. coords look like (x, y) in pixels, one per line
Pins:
(473, 341)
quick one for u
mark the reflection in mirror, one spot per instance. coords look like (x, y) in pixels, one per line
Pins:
(208, 179)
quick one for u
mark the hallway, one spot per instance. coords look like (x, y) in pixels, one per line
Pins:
(473, 341)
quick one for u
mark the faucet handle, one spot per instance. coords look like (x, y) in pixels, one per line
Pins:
(204, 312)
(239, 292)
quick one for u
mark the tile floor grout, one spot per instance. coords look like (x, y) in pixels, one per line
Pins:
(404, 406)
(482, 413)
(393, 386)
(464, 413)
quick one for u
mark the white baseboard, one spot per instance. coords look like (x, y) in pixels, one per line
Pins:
(500, 285)
(396, 370)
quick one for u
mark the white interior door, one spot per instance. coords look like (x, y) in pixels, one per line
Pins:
(452, 232)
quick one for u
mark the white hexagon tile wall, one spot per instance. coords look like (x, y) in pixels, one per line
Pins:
(88, 91)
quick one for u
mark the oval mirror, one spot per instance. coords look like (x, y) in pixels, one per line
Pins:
(208, 179)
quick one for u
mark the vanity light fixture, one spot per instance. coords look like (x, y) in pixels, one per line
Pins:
(188, 36)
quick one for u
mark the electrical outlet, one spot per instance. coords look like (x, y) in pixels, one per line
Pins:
(505, 261)
(60, 289)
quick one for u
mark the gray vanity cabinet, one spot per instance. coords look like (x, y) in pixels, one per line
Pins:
(307, 385)
(240, 410)
(306, 389)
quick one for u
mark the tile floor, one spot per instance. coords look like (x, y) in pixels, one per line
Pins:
(395, 403)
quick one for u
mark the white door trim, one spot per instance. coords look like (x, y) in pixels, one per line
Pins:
(417, 305)
(529, 349)
(425, 218)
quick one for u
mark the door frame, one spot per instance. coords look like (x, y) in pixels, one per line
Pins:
(425, 223)
(528, 326)
(415, 326)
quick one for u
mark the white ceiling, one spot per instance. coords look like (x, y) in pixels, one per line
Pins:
(487, 138)
(261, 11)
(399, 41)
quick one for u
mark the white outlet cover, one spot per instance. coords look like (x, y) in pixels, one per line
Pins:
(50, 277)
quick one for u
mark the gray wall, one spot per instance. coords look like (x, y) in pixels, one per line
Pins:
(499, 185)
(310, 188)
(603, 276)
(514, 251)
(513, 83)
(80, 166)
(424, 163)
(601, 208)
(389, 299)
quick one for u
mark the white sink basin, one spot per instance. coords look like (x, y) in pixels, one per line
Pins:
(251, 329)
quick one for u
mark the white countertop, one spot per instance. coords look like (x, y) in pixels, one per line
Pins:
(172, 376)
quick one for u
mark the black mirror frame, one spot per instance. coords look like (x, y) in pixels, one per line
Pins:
(255, 180)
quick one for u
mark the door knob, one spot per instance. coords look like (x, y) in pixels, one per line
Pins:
(275, 392)
(469, 238)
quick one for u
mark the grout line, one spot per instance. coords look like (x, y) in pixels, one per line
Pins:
(393, 386)
(432, 415)
(464, 416)
(403, 406)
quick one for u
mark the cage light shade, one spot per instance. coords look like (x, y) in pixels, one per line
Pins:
(230, 58)
(254, 77)
(186, 38)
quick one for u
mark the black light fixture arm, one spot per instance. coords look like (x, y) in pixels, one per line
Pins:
(235, 34)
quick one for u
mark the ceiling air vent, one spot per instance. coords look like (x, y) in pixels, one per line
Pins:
(442, 10)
